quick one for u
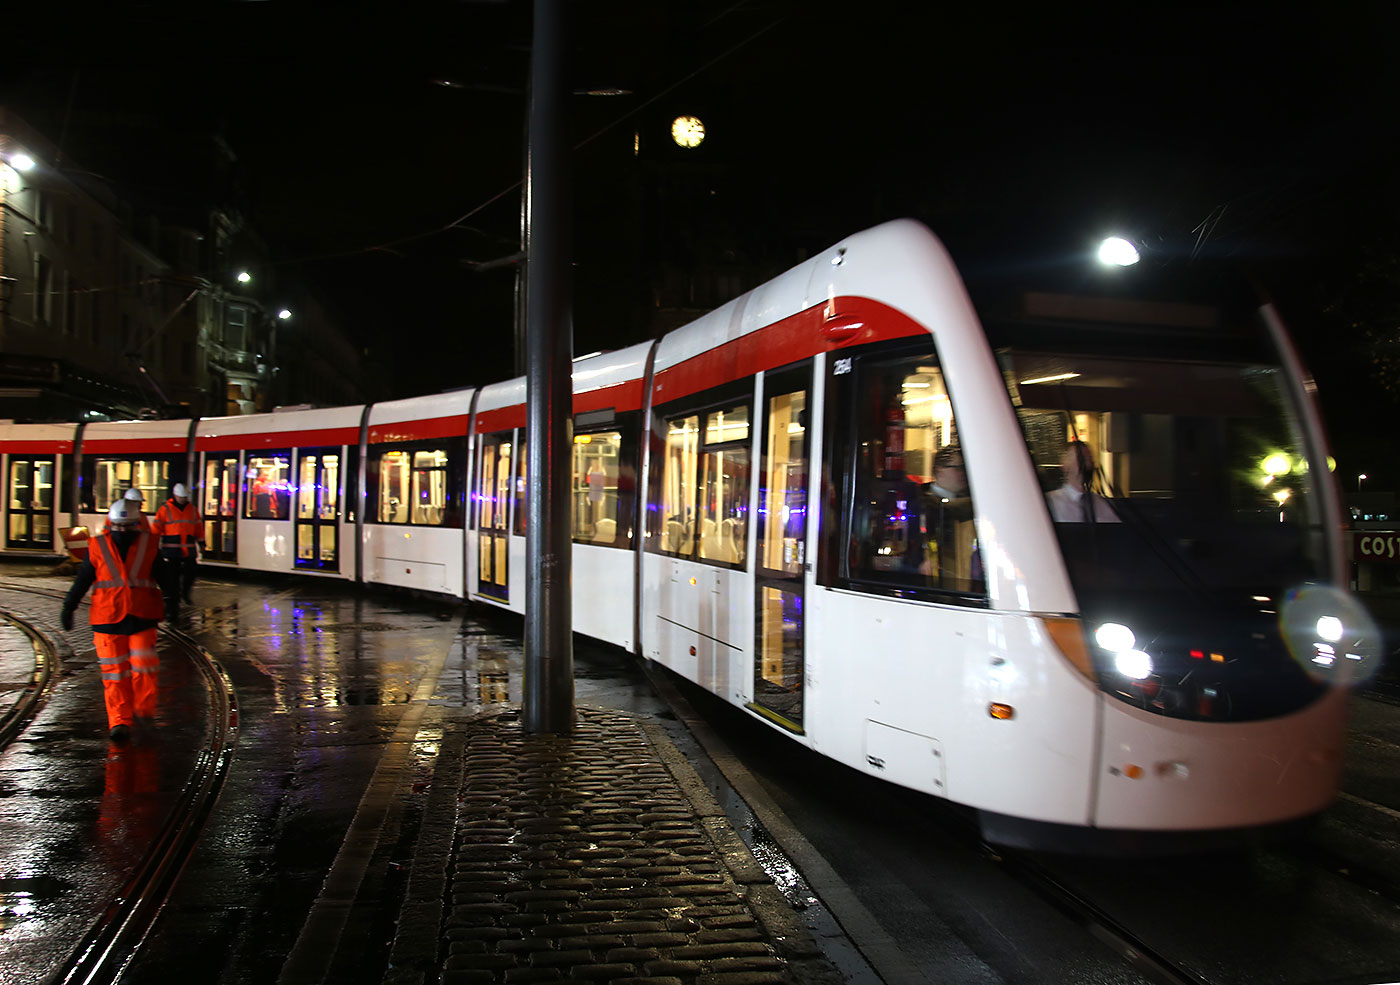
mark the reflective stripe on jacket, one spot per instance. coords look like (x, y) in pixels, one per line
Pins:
(178, 528)
(124, 587)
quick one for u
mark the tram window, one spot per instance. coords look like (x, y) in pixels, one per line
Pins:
(269, 493)
(678, 486)
(705, 486)
(416, 483)
(112, 477)
(352, 483)
(393, 496)
(429, 486)
(65, 492)
(595, 484)
(221, 487)
(493, 494)
(912, 522)
(522, 495)
(1197, 463)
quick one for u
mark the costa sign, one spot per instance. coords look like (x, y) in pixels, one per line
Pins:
(1383, 547)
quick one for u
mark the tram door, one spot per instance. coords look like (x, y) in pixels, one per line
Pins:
(782, 539)
(30, 504)
(221, 508)
(493, 531)
(318, 509)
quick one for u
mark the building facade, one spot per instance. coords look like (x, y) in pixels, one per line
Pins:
(110, 314)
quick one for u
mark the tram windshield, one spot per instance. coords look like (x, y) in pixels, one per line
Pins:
(1185, 505)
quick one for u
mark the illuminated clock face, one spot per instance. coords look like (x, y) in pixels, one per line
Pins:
(687, 131)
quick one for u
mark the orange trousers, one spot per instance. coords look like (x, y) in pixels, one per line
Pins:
(129, 667)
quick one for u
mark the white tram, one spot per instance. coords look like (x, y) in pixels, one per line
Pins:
(839, 502)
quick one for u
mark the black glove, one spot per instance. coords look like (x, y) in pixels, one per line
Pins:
(66, 618)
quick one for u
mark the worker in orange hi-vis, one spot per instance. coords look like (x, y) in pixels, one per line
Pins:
(181, 531)
(136, 496)
(126, 608)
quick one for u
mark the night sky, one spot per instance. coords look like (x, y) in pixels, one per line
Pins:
(1255, 133)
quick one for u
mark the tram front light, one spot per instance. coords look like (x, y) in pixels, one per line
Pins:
(1115, 637)
(1329, 628)
(1134, 664)
(1331, 634)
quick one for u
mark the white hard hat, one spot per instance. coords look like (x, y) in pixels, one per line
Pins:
(134, 495)
(180, 492)
(124, 511)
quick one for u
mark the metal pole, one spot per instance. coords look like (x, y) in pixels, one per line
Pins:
(549, 655)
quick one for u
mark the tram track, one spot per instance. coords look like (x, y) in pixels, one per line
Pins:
(112, 942)
(1099, 924)
(36, 691)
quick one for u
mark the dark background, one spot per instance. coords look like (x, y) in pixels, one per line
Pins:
(1248, 134)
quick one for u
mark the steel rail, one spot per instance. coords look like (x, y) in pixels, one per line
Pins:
(36, 692)
(1094, 919)
(110, 946)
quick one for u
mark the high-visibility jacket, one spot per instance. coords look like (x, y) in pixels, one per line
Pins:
(178, 528)
(124, 587)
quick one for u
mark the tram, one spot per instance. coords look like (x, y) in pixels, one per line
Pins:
(1074, 566)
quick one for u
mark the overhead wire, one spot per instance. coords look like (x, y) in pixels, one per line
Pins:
(387, 245)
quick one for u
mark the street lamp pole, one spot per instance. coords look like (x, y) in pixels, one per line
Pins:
(1358, 481)
(548, 698)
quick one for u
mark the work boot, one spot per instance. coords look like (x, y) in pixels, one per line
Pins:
(120, 733)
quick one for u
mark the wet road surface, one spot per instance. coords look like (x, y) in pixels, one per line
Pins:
(77, 813)
(324, 676)
(1268, 916)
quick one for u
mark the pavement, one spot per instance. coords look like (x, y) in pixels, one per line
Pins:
(598, 855)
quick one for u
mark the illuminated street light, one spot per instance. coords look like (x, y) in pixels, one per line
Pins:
(244, 277)
(21, 162)
(284, 314)
(1358, 480)
(1117, 252)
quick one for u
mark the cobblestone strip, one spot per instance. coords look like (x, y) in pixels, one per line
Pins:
(584, 858)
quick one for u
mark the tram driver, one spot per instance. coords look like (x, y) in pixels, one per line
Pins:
(1075, 501)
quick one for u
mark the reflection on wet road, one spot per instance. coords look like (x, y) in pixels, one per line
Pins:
(77, 813)
(328, 680)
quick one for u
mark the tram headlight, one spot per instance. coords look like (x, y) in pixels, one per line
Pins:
(1330, 634)
(1329, 628)
(1133, 663)
(1121, 641)
(1115, 637)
